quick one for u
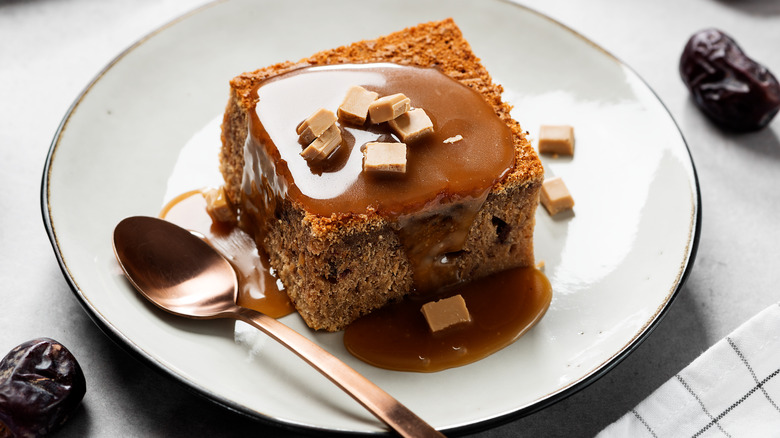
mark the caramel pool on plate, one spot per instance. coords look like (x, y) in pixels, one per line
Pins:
(502, 306)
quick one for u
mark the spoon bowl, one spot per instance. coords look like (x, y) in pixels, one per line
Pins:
(182, 274)
(174, 269)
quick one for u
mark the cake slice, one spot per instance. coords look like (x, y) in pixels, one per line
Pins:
(344, 246)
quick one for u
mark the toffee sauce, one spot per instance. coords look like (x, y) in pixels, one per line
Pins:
(503, 306)
(258, 288)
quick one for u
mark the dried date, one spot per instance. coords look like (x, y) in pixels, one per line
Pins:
(41, 383)
(729, 87)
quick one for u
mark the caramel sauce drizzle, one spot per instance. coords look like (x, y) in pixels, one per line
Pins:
(503, 306)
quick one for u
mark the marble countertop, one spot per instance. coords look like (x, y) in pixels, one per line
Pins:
(50, 50)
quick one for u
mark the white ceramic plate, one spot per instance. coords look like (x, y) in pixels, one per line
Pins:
(130, 142)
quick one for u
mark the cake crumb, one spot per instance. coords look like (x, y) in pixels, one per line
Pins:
(453, 139)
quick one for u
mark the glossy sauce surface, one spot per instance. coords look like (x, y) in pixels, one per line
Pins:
(502, 306)
(258, 288)
(445, 183)
(436, 171)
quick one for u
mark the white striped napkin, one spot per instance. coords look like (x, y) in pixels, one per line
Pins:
(731, 390)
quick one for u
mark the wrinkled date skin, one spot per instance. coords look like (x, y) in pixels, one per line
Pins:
(732, 89)
(40, 385)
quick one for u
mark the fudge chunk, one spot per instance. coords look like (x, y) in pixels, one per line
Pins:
(556, 140)
(384, 157)
(446, 314)
(354, 108)
(555, 197)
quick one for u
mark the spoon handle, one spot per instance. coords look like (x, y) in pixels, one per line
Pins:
(372, 397)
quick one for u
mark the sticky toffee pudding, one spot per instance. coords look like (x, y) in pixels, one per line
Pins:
(377, 177)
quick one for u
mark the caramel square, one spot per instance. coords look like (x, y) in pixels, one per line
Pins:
(217, 205)
(555, 196)
(556, 139)
(354, 108)
(446, 313)
(384, 157)
(315, 125)
(322, 146)
(388, 107)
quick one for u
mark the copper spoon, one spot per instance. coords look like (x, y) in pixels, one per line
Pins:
(182, 274)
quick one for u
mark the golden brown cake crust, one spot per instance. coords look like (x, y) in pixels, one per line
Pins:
(317, 257)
